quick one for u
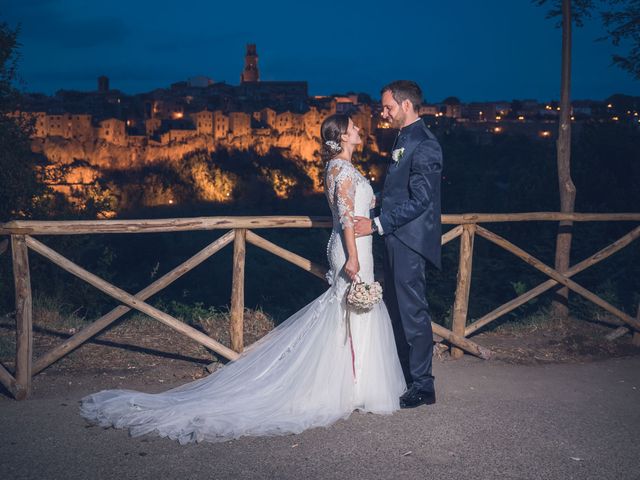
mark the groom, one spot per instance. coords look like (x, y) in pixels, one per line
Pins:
(409, 220)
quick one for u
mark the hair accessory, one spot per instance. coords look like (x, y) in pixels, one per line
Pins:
(332, 145)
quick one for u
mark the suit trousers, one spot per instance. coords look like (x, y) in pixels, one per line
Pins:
(405, 295)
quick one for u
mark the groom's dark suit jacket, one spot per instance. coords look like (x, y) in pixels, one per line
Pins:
(410, 200)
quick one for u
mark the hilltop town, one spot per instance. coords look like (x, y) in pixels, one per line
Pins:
(107, 130)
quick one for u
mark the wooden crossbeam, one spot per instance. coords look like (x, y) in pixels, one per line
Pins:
(8, 380)
(319, 271)
(75, 227)
(129, 299)
(103, 322)
(559, 277)
(307, 265)
(543, 287)
(455, 232)
(81, 227)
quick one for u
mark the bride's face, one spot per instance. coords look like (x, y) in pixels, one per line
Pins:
(352, 135)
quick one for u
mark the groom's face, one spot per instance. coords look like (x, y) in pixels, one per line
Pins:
(392, 111)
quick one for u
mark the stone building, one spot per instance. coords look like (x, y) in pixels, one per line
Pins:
(250, 72)
(363, 119)
(113, 131)
(66, 125)
(103, 84)
(311, 120)
(428, 110)
(177, 135)
(284, 122)
(152, 125)
(239, 123)
(203, 122)
(267, 116)
(220, 125)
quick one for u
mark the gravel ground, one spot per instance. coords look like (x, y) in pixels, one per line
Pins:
(492, 420)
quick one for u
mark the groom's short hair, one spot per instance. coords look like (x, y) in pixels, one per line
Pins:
(402, 90)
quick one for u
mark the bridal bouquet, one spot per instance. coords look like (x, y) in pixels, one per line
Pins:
(363, 296)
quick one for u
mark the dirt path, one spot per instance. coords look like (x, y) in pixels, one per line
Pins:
(492, 420)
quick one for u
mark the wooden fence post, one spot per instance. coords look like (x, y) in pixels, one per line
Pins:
(24, 316)
(461, 303)
(237, 290)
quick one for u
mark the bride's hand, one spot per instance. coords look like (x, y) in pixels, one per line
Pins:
(352, 267)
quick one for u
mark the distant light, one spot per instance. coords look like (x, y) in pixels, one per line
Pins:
(635, 114)
(558, 108)
(615, 119)
(609, 105)
(497, 130)
(373, 179)
(498, 117)
(521, 117)
(545, 133)
(170, 202)
(572, 117)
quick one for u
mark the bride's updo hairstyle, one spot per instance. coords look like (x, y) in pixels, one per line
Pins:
(331, 130)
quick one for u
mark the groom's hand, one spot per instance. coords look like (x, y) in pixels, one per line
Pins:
(362, 226)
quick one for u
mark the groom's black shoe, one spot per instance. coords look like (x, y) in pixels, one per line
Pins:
(415, 397)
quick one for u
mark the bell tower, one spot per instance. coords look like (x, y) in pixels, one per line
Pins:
(250, 72)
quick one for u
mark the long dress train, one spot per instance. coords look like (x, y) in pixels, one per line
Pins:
(302, 374)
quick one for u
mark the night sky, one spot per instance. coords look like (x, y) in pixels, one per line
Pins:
(475, 50)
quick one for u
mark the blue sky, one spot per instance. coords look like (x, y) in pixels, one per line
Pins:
(474, 49)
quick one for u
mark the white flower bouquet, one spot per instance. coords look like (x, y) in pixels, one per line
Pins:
(363, 296)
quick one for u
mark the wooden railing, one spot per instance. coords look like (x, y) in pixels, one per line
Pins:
(467, 227)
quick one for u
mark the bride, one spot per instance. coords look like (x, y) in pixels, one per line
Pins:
(307, 372)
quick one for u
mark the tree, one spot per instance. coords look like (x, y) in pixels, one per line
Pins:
(571, 11)
(623, 23)
(20, 183)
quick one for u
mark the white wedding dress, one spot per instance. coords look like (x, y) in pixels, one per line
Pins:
(302, 374)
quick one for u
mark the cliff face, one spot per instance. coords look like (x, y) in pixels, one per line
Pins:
(81, 164)
(103, 155)
(107, 156)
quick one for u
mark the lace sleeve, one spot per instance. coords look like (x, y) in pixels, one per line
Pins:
(345, 194)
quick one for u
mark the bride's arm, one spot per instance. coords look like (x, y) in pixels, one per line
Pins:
(352, 267)
(346, 192)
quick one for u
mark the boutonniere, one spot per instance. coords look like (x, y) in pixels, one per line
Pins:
(397, 154)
